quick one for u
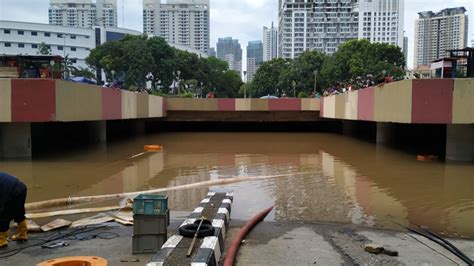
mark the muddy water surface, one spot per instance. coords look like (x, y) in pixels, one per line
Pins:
(328, 177)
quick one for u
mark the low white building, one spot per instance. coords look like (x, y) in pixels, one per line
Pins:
(24, 38)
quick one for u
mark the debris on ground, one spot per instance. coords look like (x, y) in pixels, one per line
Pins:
(379, 249)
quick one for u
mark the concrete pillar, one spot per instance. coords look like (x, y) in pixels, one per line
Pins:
(385, 133)
(15, 140)
(460, 143)
(97, 131)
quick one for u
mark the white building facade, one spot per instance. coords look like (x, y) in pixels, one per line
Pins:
(382, 21)
(270, 43)
(24, 38)
(181, 22)
(320, 25)
(83, 13)
(435, 33)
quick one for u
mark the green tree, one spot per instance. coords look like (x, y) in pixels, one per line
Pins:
(266, 80)
(44, 49)
(83, 72)
(358, 58)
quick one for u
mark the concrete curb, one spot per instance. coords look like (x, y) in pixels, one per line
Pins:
(210, 250)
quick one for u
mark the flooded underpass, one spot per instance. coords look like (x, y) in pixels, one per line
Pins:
(318, 177)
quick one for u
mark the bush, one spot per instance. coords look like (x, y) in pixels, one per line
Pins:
(302, 94)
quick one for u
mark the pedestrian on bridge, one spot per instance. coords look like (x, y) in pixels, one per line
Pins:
(12, 207)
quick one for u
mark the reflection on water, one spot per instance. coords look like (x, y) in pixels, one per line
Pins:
(329, 177)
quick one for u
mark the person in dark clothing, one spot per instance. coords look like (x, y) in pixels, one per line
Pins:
(12, 207)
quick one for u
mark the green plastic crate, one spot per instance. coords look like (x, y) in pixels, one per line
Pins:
(150, 204)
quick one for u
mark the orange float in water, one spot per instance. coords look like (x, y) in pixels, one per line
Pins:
(153, 147)
(75, 261)
(426, 158)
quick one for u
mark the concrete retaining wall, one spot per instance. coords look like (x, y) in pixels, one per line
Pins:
(177, 104)
(47, 100)
(422, 101)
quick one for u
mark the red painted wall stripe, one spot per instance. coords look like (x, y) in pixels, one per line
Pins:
(432, 101)
(111, 104)
(366, 104)
(33, 100)
(226, 104)
(284, 104)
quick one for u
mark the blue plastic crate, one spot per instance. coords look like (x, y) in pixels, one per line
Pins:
(150, 204)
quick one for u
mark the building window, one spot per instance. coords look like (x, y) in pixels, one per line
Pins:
(73, 37)
(7, 44)
(73, 49)
(47, 34)
(34, 33)
(6, 31)
(34, 46)
(20, 32)
(21, 45)
(60, 35)
(73, 61)
(60, 48)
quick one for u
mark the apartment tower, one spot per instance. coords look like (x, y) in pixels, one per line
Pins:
(320, 25)
(181, 22)
(436, 33)
(83, 13)
(270, 43)
(382, 21)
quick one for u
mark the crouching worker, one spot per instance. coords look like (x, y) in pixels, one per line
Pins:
(12, 207)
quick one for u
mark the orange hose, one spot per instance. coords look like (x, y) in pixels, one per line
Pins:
(234, 247)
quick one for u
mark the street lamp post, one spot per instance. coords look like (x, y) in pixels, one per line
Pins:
(245, 85)
(315, 79)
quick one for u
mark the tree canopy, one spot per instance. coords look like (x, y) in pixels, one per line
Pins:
(128, 61)
(355, 58)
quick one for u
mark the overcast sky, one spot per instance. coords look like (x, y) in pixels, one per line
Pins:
(241, 19)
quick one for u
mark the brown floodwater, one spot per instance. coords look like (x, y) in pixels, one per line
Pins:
(329, 177)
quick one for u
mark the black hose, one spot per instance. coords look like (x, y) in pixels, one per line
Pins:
(50, 239)
(446, 242)
(442, 242)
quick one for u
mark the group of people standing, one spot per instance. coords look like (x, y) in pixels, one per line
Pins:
(357, 84)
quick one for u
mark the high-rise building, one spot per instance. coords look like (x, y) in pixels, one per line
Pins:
(254, 58)
(83, 13)
(212, 52)
(405, 49)
(229, 50)
(182, 22)
(382, 21)
(270, 43)
(315, 25)
(435, 33)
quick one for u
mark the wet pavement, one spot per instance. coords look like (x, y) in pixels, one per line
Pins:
(269, 243)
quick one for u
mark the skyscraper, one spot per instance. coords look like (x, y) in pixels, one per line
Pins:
(182, 22)
(270, 43)
(315, 25)
(382, 21)
(405, 49)
(254, 58)
(83, 13)
(229, 50)
(435, 33)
